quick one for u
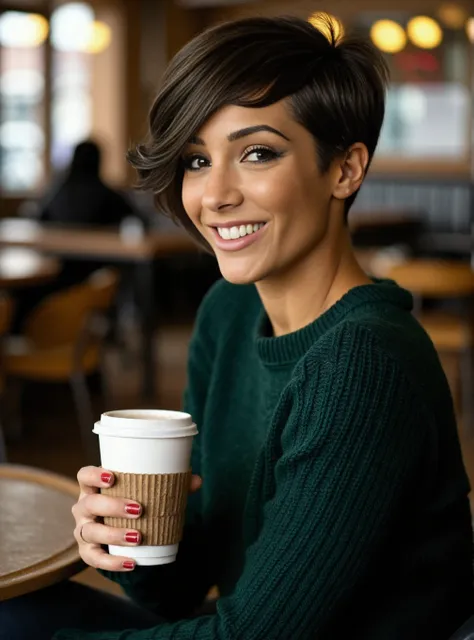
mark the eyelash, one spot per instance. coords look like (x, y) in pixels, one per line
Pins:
(273, 155)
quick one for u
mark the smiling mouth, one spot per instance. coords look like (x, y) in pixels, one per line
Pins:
(234, 233)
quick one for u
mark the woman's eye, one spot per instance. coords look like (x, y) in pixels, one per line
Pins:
(194, 163)
(259, 155)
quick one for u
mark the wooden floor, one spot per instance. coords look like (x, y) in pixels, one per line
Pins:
(51, 440)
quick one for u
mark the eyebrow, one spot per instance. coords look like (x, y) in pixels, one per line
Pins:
(242, 133)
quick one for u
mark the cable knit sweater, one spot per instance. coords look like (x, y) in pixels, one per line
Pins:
(334, 502)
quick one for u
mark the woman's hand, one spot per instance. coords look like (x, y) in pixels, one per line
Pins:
(90, 534)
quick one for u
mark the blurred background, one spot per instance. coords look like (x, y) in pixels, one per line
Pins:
(99, 291)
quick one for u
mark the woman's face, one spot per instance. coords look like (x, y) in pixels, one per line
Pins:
(253, 189)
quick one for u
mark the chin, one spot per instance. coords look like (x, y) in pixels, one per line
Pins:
(238, 275)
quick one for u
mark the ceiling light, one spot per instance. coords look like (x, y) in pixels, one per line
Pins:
(388, 36)
(424, 32)
(100, 36)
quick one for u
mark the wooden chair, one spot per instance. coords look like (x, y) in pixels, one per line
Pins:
(62, 341)
(450, 333)
(6, 309)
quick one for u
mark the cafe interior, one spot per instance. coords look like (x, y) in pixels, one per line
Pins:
(77, 71)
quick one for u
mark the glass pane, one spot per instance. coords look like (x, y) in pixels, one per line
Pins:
(71, 114)
(428, 105)
(22, 72)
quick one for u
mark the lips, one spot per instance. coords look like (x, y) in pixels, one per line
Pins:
(241, 241)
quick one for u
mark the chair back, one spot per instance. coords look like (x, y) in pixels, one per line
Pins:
(434, 278)
(59, 318)
(62, 317)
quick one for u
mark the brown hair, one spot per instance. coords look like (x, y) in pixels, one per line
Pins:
(336, 90)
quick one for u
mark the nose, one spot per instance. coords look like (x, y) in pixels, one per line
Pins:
(221, 191)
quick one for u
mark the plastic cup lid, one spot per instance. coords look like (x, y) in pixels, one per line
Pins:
(145, 423)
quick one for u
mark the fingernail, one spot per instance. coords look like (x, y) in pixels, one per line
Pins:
(106, 478)
(128, 564)
(133, 509)
(132, 536)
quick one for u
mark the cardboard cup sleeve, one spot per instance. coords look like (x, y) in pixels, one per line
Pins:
(163, 498)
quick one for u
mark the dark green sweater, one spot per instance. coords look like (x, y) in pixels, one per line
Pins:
(334, 502)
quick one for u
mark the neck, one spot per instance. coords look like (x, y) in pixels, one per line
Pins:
(305, 291)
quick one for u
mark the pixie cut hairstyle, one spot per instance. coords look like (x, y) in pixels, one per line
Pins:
(335, 89)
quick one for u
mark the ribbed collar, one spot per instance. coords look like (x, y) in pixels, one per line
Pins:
(292, 346)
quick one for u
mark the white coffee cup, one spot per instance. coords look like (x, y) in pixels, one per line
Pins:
(146, 441)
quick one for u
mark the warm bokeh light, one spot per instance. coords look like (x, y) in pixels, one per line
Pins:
(73, 28)
(424, 32)
(100, 37)
(388, 36)
(70, 26)
(470, 29)
(322, 20)
(19, 29)
(452, 15)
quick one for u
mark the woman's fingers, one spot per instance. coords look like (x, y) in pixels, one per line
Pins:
(96, 505)
(91, 535)
(96, 557)
(93, 478)
(97, 533)
(196, 483)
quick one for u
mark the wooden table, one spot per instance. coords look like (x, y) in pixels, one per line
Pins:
(37, 547)
(108, 246)
(89, 242)
(23, 267)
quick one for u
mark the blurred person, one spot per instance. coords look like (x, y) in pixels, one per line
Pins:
(82, 197)
(79, 198)
(334, 500)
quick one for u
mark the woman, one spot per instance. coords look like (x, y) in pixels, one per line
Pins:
(334, 498)
(82, 197)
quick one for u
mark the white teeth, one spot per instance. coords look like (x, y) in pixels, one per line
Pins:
(233, 233)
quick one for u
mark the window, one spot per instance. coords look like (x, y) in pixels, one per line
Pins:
(428, 114)
(38, 135)
(22, 91)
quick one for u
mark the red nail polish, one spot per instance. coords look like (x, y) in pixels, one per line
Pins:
(106, 478)
(133, 509)
(132, 536)
(128, 564)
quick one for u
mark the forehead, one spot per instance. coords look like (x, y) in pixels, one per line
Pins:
(231, 118)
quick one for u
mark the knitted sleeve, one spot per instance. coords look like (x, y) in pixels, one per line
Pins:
(352, 434)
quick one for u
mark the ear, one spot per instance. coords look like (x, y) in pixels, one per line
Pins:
(352, 170)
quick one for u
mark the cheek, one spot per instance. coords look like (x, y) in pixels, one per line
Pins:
(272, 193)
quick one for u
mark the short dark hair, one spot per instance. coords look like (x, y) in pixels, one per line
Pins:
(85, 160)
(335, 88)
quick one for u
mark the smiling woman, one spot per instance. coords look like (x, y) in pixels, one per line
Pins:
(258, 167)
(334, 500)
(301, 68)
